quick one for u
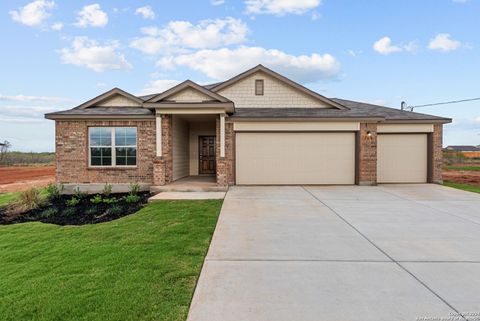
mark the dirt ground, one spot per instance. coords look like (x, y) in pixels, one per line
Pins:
(466, 177)
(16, 178)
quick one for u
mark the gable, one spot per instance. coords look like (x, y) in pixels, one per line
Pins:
(277, 94)
(118, 101)
(188, 94)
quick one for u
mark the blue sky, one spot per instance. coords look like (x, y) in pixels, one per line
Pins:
(58, 54)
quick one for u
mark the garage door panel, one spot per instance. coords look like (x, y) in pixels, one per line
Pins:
(295, 158)
(402, 158)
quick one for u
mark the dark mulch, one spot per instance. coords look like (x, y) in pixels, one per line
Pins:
(85, 212)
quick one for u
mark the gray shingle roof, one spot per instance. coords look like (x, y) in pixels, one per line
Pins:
(355, 110)
(463, 148)
(105, 111)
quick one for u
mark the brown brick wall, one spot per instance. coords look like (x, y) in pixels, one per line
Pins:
(437, 154)
(367, 154)
(225, 165)
(72, 153)
(163, 166)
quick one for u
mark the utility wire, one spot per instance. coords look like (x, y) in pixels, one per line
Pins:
(444, 103)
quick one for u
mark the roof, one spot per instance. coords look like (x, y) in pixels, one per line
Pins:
(342, 109)
(357, 110)
(463, 148)
(121, 112)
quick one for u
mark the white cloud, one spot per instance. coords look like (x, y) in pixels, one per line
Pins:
(443, 42)
(57, 26)
(354, 53)
(92, 16)
(217, 2)
(158, 86)
(88, 53)
(280, 7)
(25, 114)
(180, 35)
(36, 99)
(224, 63)
(384, 46)
(146, 12)
(34, 13)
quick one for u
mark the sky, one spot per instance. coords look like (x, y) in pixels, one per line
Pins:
(57, 54)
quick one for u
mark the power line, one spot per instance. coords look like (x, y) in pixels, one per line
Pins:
(440, 103)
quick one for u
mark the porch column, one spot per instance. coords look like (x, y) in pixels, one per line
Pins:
(158, 132)
(222, 135)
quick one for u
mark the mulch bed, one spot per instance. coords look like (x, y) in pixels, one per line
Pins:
(85, 212)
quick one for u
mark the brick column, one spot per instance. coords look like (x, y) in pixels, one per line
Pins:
(225, 165)
(436, 154)
(367, 154)
(163, 166)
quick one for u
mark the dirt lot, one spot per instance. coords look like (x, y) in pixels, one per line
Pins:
(461, 176)
(16, 178)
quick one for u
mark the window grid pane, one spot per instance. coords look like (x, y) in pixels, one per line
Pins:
(122, 147)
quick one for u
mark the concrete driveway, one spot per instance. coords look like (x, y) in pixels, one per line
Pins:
(392, 252)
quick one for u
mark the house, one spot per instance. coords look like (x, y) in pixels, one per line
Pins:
(466, 150)
(258, 127)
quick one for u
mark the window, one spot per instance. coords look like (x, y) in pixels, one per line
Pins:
(259, 87)
(113, 146)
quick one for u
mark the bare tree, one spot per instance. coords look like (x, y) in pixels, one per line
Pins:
(4, 147)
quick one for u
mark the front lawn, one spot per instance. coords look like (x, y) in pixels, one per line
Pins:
(465, 187)
(140, 267)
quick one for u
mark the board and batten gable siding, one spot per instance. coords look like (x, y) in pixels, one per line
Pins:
(180, 148)
(118, 101)
(276, 94)
(189, 95)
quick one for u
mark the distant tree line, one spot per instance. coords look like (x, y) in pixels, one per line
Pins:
(9, 158)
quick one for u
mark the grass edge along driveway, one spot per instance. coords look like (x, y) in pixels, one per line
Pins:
(141, 267)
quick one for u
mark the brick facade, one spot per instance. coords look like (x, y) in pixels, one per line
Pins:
(436, 154)
(72, 153)
(163, 166)
(225, 165)
(367, 154)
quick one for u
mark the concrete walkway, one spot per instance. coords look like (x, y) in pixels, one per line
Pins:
(393, 252)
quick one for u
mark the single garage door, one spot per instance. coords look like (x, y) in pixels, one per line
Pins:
(402, 158)
(295, 158)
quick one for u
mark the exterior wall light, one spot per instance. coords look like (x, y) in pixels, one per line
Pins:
(369, 134)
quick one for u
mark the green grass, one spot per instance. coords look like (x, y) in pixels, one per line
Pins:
(6, 198)
(464, 168)
(465, 187)
(140, 267)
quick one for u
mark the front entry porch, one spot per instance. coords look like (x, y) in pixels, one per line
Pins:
(192, 153)
(191, 184)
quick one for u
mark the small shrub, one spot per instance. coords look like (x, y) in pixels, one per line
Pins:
(54, 191)
(134, 188)
(107, 190)
(30, 199)
(132, 198)
(91, 211)
(69, 211)
(97, 199)
(114, 210)
(77, 193)
(72, 202)
(111, 200)
(49, 212)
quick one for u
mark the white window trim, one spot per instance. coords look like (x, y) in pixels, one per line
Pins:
(113, 147)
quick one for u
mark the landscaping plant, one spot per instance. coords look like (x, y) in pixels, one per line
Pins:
(107, 189)
(30, 199)
(72, 202)
(54, 191)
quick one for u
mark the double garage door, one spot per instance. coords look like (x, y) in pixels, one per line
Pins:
(283, 158)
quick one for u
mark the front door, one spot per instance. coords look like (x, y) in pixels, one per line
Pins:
(206, 155)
